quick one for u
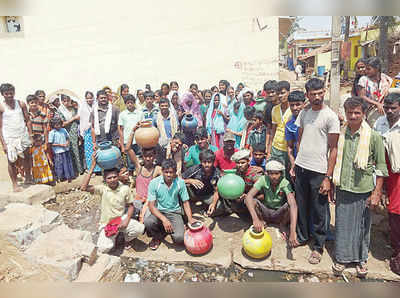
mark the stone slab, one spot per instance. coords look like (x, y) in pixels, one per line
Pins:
(104, 267)
(62, 248)
(32, 195)
(22, 223)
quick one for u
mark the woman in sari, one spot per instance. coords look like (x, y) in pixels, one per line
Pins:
(217, 118)
(237, 122)
(70, 119)
(230, 98)
(191, 106)
(84, 112)
(176, 106)
(122, 91)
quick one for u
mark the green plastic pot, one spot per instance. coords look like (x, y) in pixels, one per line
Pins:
(230, 186)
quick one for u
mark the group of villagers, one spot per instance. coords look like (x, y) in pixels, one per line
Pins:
(295, 155)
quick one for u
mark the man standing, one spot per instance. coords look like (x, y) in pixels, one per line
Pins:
(389, 127)
(281, 114)
(360, 153)
(104, 119)
(319, 130)
(15, 134)
(150, 110)
(166, 123)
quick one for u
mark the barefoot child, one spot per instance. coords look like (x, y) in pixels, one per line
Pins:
(145, 174)
(278, 206)
(41, 161)
(59, 143)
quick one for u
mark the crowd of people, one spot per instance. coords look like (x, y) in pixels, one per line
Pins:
(294, 153)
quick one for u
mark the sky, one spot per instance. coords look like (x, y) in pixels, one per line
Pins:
(314, 23)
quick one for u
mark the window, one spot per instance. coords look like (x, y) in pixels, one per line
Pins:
(11, 26)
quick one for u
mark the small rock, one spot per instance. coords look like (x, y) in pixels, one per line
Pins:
(219, 278)
(313, 279)
(132, 278)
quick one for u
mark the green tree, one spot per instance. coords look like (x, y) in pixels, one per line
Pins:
(384, 23)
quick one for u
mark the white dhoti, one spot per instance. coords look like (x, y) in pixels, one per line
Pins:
(16, 146)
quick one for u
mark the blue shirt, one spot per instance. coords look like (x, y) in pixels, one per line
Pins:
(167, 198)
(58, 136)
(292, 133)
(262, 165)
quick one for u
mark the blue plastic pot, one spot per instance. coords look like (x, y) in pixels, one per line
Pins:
(107, 156)
(189, 122)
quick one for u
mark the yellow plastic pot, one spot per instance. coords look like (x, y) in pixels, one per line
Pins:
(257, 245)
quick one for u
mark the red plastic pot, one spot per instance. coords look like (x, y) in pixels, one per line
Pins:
(198, 239)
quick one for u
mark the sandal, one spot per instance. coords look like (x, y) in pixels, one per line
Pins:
(338, 268)
(315, 258)
(154, 243)
(362, 269)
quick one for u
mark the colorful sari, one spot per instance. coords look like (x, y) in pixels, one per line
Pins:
(193, 109)
(216, 125)
(237, 123)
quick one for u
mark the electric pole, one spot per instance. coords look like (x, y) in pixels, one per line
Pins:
(346, 39)
(335, 64)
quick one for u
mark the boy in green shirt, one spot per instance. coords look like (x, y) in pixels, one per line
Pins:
(279, 204)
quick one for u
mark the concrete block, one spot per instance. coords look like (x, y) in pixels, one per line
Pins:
(33, 195)
(105, 267)
(23, 223)
(64, 249)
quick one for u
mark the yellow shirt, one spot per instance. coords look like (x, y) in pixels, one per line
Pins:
(113, 202)
(280, 120)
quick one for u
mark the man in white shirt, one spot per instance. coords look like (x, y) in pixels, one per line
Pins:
(319, 130)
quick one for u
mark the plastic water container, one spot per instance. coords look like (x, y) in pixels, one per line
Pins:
(321, 70)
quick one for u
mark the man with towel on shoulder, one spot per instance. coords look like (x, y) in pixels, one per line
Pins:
(360, 153)
(104, 119)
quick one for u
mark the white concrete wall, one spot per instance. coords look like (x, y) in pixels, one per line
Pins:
(85, 52)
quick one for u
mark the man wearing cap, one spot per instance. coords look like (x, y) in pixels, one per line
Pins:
(250, 175)
(279, 204)
(223, 156)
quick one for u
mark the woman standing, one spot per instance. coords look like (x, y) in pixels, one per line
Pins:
(122, 91)
(217, 118)
(374, 86)
(237, 122)
(85, 110)
(359, 69)
(191, 106)
(70, 118)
